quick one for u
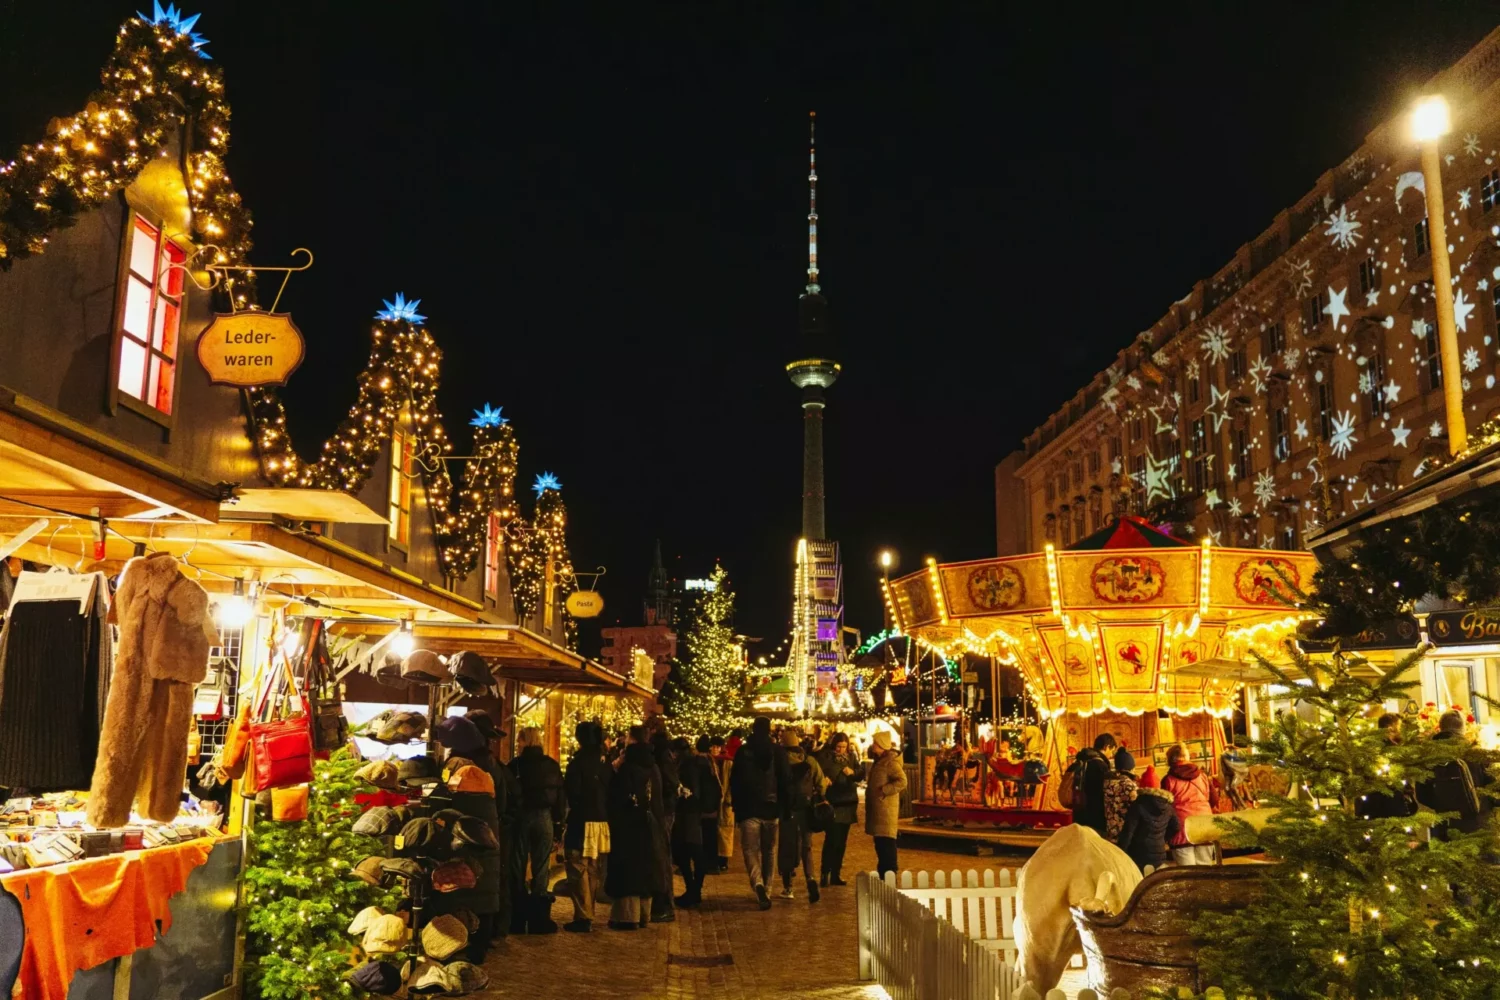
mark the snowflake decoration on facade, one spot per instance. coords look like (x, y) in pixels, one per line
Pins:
(1215, 341)
(1235, 507)
(400, 309)
(1132, 381)
(1300, 276)
(1471, 143)
(1258, 373)
(1365, 384)
(488, 417)
(1461, 309)
(1343, 439)
(170, 17)
(1471, 360)
(1401, 432)
(544, 482)
(1464, 197)
(1265, 488)
(1436, 430)
(1465, 383)
(1342, 228)
(1192, 368)
(1336, 307)
(1291, 358)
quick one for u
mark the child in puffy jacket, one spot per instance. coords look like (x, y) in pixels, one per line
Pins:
(1151, 824)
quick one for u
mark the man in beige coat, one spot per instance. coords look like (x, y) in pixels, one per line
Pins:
(883, 800)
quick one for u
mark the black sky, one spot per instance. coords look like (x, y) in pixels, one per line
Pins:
(602, 210)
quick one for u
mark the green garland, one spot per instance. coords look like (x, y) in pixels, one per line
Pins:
(534, 542)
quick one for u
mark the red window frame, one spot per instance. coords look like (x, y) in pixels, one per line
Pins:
(399, 510)
(149, 325)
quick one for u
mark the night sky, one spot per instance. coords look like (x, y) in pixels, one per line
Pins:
(602, 209)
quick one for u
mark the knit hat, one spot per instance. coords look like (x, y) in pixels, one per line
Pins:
(418, 770)
(467, 976)
(380, 773)
(486, 725)
(381, 821)
(1451, 722)
(443, 936)
(361, 922)
(369, 870)
(423, 666)
(883, 740)
(471, 779)
(1149, 779)
(470, 671)
(459, 735)
(427, 976)
(385, 934)
(377, 977)
(1124, 761)
(453, 876)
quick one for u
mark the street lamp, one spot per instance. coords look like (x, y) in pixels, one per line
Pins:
(887, 558)
(1430, 121)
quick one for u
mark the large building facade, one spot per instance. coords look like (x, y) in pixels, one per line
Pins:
(1303, 379)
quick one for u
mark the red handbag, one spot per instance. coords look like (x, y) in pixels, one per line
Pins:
(280, 749)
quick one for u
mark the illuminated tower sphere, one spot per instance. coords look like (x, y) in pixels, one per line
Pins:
(813, 371)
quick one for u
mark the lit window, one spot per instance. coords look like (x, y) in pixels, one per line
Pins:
(1420, 241)
(493, 547)
(1489, 190)
(150, 317)
(549, 597)
(400, 506)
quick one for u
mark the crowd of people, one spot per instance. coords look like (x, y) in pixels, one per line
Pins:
(628, 814)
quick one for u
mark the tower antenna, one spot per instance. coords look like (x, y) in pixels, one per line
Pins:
(812, 201)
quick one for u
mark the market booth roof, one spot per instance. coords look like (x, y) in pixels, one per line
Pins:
(1110, 629)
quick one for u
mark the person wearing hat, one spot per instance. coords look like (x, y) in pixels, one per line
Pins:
(543, 805)
(1119, 791)
(459, 738)
(883, 790)
(718, 829)
(508, 801)
(586, 835)
(1150, 824)
(638, 864)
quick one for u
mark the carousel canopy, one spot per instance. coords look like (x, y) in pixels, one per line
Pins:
(1128, 532)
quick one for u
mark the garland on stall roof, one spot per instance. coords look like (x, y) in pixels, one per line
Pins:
(157, 80)
(536, 541)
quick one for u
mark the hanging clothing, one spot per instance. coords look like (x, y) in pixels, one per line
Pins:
(54, 677)
(165, 635)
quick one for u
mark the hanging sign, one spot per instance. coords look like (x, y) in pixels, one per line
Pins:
(584, 603)
(1394, 633)
(1458, 628)
(251, 349)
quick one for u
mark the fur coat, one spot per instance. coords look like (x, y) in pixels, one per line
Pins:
(165, 634)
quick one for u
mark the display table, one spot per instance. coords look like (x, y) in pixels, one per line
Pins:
(90, 928)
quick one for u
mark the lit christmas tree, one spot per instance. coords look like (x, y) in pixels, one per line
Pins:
(706, 694)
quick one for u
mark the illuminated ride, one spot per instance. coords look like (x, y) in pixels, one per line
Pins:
(1130, 632)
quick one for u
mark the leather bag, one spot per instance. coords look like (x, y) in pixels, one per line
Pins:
(280, 749)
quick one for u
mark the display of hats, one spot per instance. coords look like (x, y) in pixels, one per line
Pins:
(427, 976)
(453, 876)
(404, 867)
(381, 821)
(471, 778)
(361, 922)
(467, 976)
(468, 919)
(423, 666)
(401, 727)
(369, 870)
(389, 670)
(485, 723)
(470, 671)
(444, 936)
(471, 831)
(385, 934)
(459, 735)
(380, 773)
(378, 977)
(419, 770)
(420, 836)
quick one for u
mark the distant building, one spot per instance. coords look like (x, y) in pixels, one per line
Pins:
(657, 638)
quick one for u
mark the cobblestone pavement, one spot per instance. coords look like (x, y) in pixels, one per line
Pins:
(727, 950)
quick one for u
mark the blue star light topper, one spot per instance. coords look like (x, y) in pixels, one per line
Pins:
(401, 309)
(179, 22)
(546, 481)
(488, 417)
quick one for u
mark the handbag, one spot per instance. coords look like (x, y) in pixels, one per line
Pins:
(236, 744)
(280, 749)
(820, 815)
(289, 805)
(330, 729)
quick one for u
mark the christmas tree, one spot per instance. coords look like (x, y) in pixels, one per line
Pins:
(299, 895)
(1359, 907)
(706, 693)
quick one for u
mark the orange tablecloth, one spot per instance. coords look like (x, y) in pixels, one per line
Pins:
(84, 913)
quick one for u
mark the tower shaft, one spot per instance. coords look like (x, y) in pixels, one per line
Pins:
(813, 526)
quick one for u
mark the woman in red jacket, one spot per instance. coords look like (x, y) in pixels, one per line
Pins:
(1193, 794)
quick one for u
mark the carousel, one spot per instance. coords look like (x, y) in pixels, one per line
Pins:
(1130, 631)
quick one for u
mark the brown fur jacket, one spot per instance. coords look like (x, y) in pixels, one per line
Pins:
(165, 634)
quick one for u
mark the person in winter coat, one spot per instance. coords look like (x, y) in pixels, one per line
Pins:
(586, 836)
(1087, 775)
(844, 772)
(1150, 824)
(1192, 795)
(804, 785)
(1119, 792)
(883, 800)
(697, 798)
(667, 761)
(461, 739)
(638, 864)
(718, 829)
(1454, 786)
(508, 804)
(543, 805)
(755, 784)
(1395, 804)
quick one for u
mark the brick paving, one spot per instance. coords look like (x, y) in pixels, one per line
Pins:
(726, 950)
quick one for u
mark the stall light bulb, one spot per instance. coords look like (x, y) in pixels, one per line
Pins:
(235, 610)
(403, 642)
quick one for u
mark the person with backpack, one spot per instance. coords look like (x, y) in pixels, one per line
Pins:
(638, 865)
(586, 836)
(1083, 784)
(755, 783)
(1454, 786)
(804, 786)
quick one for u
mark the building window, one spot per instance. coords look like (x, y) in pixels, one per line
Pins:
(1489, 190)
(1369, 276)
(1137, 429)
(1067, 529)
(1200, 456)
(1375, 368)
(1323, 400)
(1079, 531)
(1236, 364)
(1094, 464)
(1287, 537)
(1051, 492)
(1242, 452)
(1281, 438)
(146, 333)
(1195, 389)
(1495, 301)
(1275, 339)
(1115, 449)
(1421, 244)
(1312, 312)
(1433, 369)
(494, 549)
(400, 501)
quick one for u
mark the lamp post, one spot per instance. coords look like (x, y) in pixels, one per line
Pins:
(887, 558)
(1429, 122)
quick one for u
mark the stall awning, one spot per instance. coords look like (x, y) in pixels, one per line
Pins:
(514, 654)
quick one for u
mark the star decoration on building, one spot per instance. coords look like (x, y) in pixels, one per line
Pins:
(1301, 430)
(1232, 472)
(1372, 297)
(1215, 407)
(170, 17)
(1211, 499)
(1157, 478)
(1461, 309)
(1258, 373)
(1343, 439)
(1213, 536)
(544, 482)
(1401, 432)
(1436, 430)
(488, 417)
(1342, 229)
(1336, 307)
(1391, 392)
(1300, 275)
(400, 309)
(1265, 488)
